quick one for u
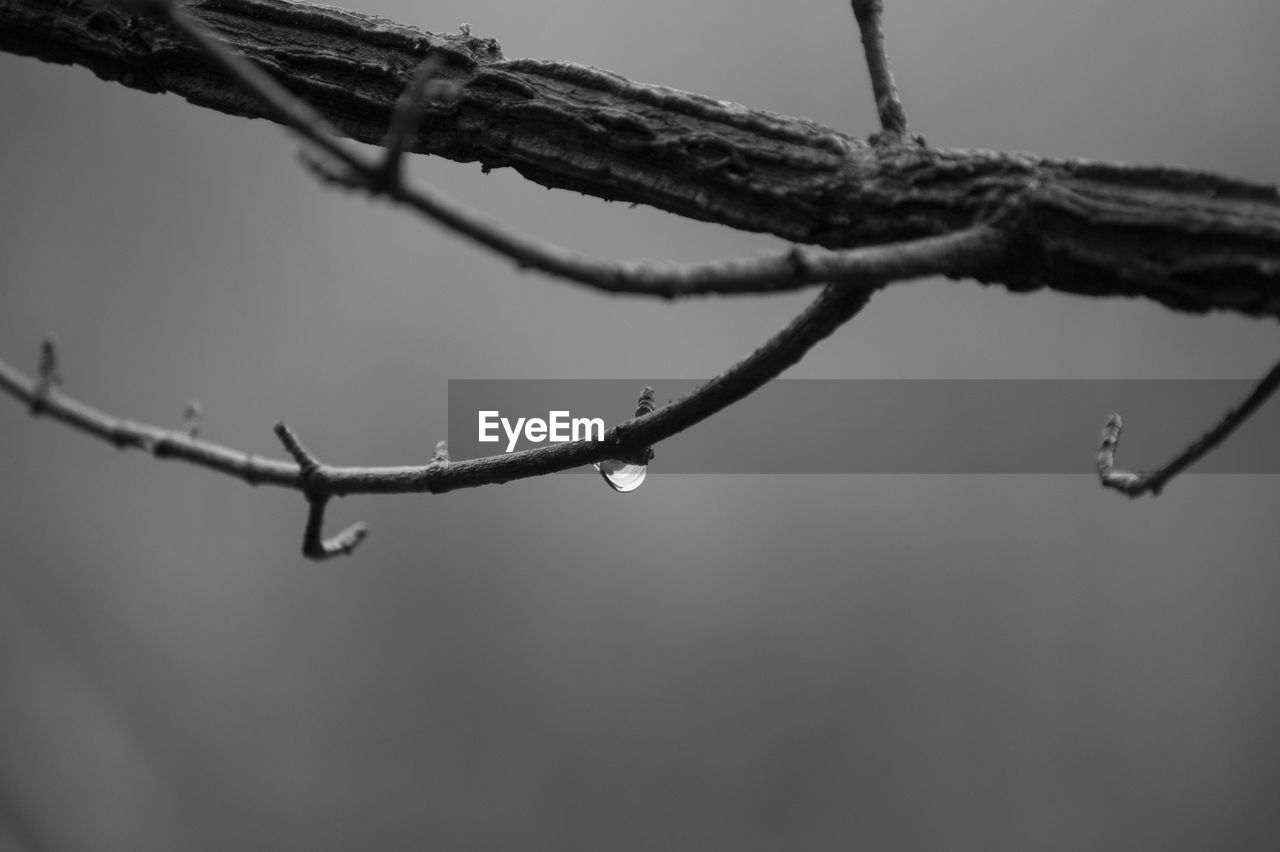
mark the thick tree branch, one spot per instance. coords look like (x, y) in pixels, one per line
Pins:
(970, 250)
(1189, 240)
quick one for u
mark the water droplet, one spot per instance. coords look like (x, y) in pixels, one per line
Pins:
(622, 475)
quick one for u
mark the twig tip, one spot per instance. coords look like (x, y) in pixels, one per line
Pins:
(441, 455)
(645, 405)
(191, 418)
(294, 447)
(49, 374)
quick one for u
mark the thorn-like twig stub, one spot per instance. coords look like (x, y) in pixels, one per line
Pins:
(645, 405)
(191, 418)
(50, 377)
(49, 374)
(800, 261)
(307, 463)
(441, 455)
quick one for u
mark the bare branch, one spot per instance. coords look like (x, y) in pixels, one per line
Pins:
(1153, 482)
(963, 252)
(893, 117)
(1189, 240)
(53, 403)
(318, 482)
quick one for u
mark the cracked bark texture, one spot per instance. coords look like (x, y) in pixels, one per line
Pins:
(1189, 240)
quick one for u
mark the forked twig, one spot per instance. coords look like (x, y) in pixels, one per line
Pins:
(1153, 481)
(312, 476)
(318, 482)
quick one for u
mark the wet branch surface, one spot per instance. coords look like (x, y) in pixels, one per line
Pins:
(1189, 240)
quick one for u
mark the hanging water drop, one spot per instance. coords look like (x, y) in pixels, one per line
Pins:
(625, 475)
(622, 475)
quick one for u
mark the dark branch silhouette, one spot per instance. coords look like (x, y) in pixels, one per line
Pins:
(1189, 240)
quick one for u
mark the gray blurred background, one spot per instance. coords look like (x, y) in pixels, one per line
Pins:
(713, 662)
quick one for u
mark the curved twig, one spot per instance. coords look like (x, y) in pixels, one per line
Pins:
(318, 482)
(1153, 482)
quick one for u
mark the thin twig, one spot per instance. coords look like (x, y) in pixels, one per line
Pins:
(317, 548)
(833, 307)
(406, 120)
(130, 434)
(1153, 482)
(893, 117)
(959, 253)
(293, 112)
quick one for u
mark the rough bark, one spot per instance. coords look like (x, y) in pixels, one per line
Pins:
(1190, 240)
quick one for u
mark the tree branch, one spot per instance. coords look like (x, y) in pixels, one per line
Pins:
(893, 117)
(970, 250)
(318, 482)
(1153, 482)
(1189, 240)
